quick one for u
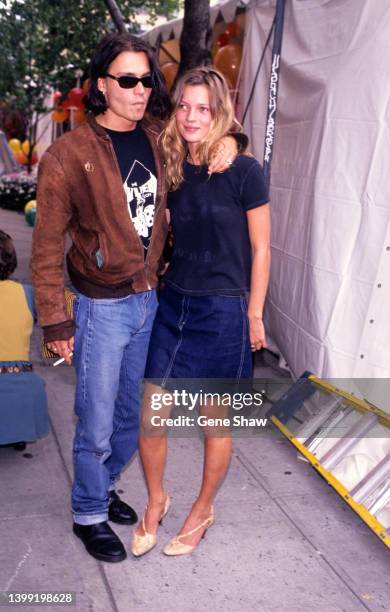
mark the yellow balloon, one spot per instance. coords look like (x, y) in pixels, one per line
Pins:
(26, 147)
(14, 144)
(169, 71)
(31, 204)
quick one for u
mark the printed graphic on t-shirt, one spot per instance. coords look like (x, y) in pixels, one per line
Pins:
(141, 188)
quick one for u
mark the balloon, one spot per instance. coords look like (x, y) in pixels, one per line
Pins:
(79, 116)
(222, 40)
(169, 71)
(29, 205)
(34, 157)
(30, 216)
(228, 60)
(60, 115)
(75, 97)
(66, 104)
(15, 145)
(173, 48)
(21, 158)
(57, 95)
(232, 30)
(26, 147)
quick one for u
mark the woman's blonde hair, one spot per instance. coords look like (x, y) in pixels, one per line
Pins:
(173, 145)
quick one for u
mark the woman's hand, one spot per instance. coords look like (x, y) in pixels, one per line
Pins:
(256, 333)
(259, 234)
(223, 154)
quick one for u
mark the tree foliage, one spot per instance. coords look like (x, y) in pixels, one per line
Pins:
(44, 42)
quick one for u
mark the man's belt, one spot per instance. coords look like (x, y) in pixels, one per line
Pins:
(12, 369)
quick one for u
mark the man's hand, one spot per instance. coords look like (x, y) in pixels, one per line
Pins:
(223, 154)
(62, 348)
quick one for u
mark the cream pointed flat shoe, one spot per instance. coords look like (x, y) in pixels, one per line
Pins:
(176, 547)
(141, 544)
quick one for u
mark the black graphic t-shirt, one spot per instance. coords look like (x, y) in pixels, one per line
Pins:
(138, 170)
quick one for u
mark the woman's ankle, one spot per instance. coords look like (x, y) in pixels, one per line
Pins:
(158, 499)
(202, 507)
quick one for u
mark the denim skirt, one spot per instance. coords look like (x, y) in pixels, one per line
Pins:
(199, 337)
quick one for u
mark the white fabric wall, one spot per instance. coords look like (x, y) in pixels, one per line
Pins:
(328, 308)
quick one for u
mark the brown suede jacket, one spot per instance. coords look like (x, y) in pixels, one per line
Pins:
(80, 191)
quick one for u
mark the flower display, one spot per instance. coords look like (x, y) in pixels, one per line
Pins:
(16, 190)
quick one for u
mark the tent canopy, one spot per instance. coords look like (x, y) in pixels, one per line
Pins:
(172, 29)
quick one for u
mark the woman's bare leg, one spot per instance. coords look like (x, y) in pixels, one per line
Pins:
(153, 453)
(217, 454)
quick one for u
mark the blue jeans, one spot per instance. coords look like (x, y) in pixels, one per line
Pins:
(111, 345)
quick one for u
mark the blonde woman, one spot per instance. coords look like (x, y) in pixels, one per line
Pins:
(210, 313)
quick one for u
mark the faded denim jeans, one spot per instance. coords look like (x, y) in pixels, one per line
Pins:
(111, 346)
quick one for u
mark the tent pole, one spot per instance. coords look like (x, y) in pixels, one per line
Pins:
(273, 90)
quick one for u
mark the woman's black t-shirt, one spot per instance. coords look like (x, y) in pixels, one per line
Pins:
(212, 251)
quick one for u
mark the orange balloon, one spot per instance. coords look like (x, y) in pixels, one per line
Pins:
(169, 71)
(173, 48)
(60, 115)
(21, 158)
(228, 60)
(26, 147)
(79, 116)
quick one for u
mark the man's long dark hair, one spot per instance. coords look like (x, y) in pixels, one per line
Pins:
(109, 48)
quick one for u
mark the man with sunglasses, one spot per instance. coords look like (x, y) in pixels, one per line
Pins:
(103, 183)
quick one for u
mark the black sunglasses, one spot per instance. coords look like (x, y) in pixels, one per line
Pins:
(129, 82)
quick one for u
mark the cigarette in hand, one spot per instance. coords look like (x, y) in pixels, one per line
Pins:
(56, 363)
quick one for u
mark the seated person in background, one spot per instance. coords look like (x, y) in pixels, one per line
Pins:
(23, 402)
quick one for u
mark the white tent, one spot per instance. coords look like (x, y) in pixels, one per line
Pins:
(172, 29)
(329, 297)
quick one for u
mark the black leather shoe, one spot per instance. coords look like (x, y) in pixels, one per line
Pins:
(101, 542)
(119, 512)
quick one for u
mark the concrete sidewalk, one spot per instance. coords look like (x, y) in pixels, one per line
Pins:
(283, 540)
